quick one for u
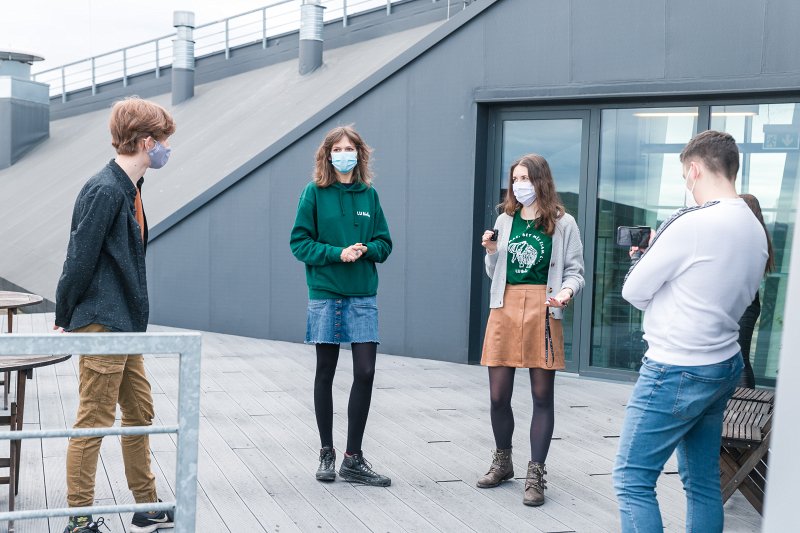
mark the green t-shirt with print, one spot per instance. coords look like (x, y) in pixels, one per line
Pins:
(529, 251)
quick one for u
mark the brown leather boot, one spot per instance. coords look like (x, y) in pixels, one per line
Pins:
(502, 469)
(535, 484)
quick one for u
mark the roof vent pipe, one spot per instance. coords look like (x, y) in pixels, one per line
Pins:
(183, 57)
(310, 36)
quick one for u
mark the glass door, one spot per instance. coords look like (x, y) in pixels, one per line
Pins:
(561, 137)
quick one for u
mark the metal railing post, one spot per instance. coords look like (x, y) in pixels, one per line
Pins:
(344, 13)
(188, 428)
(63, 86)
(264, 28)
(227, 47)
(124, 67)
(158, 61)
(94, 84)
(388, 7)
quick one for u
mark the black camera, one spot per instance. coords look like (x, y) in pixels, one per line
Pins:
(494, 235)
(628, 236)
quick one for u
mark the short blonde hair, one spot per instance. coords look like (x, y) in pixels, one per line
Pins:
(133, 119)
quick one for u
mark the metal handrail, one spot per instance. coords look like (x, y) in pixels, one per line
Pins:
(188, 348)
(62, 79)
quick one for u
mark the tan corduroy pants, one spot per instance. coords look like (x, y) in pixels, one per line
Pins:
(106, 381)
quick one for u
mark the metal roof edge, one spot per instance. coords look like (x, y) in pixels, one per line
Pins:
(382, 74)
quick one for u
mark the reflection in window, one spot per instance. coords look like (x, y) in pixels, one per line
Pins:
(768, 136)
(640, 184)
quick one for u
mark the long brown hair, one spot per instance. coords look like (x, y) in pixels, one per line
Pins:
(325, 174)
(755, 207)
(547, 199)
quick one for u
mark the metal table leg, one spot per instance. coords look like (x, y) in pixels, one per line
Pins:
(12, 467)
(7, 375)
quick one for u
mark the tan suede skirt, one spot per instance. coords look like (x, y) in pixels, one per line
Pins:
(515, 332)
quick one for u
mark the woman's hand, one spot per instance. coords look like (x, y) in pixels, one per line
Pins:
(560, 300)
(487, 242)
(353, 253)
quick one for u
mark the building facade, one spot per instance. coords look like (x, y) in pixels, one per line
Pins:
(608, 92)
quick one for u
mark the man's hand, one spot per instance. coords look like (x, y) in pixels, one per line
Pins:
(637, 252)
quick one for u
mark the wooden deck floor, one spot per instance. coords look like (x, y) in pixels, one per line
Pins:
(428, 429)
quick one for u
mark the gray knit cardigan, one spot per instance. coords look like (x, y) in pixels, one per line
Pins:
(566, 263)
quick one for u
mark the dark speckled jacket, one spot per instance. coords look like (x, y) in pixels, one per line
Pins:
(104, 279)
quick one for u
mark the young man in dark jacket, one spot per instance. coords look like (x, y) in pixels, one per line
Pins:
(103, 288)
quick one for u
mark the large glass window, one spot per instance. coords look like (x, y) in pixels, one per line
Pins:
(768, 136)
(639, 184)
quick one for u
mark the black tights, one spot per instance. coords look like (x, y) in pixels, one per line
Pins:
(360, 394)
(501, 385)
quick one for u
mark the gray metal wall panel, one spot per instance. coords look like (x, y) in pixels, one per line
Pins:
(178, 275)
(533, 47)
(239, 250)
(287, 174)
(23, 125)
(619, 40)
(5, 132)
(714, 38)
(440, 160)
(30, 125)
(781, 37)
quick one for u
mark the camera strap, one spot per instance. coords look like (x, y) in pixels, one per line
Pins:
(548, 340)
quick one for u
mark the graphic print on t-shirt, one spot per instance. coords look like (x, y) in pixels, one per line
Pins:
(524, 252)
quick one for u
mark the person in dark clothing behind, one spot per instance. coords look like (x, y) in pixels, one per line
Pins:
(103, 288)
(340, 233)
(748, 321)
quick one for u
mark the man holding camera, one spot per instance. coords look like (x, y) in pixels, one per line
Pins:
(693, 283)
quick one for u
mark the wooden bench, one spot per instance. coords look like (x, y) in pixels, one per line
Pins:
(745, 445)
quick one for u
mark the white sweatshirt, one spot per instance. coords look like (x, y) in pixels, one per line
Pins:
(701, 272)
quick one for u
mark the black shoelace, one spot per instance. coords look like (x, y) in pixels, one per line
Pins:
(365, 466)
(327, 460)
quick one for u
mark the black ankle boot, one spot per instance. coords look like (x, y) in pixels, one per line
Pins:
(327, 464)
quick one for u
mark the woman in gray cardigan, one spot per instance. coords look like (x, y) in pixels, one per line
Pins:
(536, 266)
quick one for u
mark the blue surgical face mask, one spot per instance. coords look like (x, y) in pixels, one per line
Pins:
(344, 162)
(159, 155)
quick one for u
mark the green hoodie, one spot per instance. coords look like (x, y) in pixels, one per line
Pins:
(329, 220)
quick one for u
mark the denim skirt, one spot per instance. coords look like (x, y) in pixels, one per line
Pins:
(342, 320)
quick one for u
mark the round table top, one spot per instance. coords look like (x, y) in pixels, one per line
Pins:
(14, 300)
(9, 363)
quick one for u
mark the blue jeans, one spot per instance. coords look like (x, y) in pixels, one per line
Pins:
(674, 407)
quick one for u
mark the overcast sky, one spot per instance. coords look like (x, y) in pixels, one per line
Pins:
(63, 31)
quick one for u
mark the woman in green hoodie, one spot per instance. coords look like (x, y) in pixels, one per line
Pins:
(340, 233)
